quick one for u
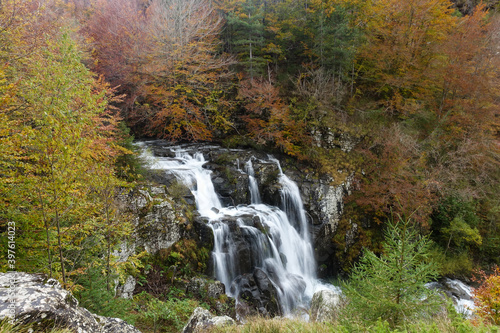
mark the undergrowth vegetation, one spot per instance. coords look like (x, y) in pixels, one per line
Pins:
(438, 324)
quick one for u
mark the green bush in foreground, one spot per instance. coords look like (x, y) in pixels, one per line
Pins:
(391, 287)
(168, 315)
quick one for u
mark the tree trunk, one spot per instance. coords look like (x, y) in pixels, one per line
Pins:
(46, 224)
(60, 248)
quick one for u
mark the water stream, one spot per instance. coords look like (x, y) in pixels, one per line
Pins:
(277, 238)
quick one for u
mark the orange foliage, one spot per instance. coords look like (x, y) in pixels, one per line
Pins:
(435, 76)
(394, 181)
(164, 56)
(470, 75)
(270, 120)
(116, 31)
(402, 40)
(487, 296)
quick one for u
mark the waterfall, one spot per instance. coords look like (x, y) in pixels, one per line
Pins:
(276, 240)
(253, 187)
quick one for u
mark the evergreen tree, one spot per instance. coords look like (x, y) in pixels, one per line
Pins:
(334, 35)
(392, 286)
(247, 40)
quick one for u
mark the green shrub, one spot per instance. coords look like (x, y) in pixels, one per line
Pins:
(155, 315)
(95, 296)
(452, 264)
(392, 287)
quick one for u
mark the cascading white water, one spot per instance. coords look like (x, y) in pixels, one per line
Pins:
(278, 240)
(252, 183)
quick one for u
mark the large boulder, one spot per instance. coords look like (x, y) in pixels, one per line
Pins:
(201, 320)
(44, 303)
(324, 305)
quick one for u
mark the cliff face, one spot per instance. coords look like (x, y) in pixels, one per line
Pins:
(322, 196)
(167, 222)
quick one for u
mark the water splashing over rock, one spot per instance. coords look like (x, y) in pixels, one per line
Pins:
(262, 253)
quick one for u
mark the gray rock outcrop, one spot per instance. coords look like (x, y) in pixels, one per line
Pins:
(156, 225)
(324, 305)
(159, 221)
(201, 320)
(44, 303)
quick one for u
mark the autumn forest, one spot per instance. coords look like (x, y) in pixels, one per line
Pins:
(403, 97)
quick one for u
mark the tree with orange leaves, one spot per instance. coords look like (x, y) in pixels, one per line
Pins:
(487, 296)
(164, 54)
(269, 120)
(57, 146)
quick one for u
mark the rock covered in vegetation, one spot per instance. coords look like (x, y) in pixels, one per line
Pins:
(161, 220)
(324, 305)
(155, 222)
(44, 303)
(212, 292)
(213, 289)
(201, 320)
(127, 289)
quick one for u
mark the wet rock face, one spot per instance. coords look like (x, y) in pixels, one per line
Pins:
(244, 242)
(460, 294)
(43, 303)
(255, 294)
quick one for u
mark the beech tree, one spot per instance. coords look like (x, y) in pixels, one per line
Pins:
(185, 74)
(165, 56)
(269, 120)
(117, 32)
(398, 61)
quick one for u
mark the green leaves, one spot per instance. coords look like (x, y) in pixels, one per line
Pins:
(392, 286)
(57, 175)
(461, 233)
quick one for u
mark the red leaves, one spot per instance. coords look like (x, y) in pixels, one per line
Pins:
(117, 31)
(487, 296)
(269, 120)
(394, 180)
(164, 56)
